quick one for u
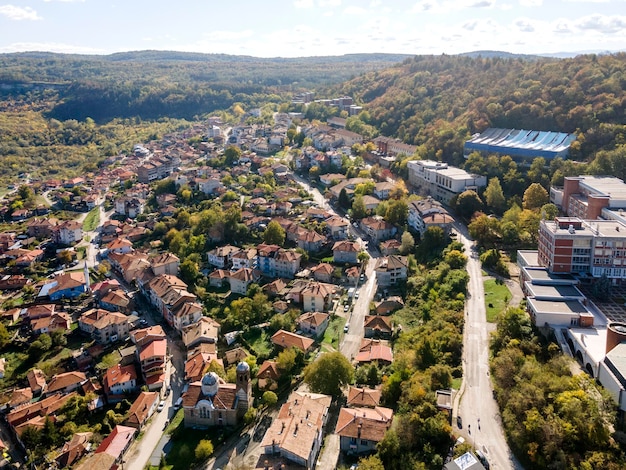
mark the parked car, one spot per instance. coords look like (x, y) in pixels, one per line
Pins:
(346, 327)
(161, 406)
(178, 403)
(346, 308)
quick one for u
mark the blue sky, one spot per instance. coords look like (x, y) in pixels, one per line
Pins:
(293, 28)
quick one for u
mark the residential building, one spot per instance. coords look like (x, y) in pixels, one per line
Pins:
(296, 434)
(120, 381)
(338, 227)
(427, 213)
(363, 397)
(361, 429)
(317, 296)
(274, 261)
(212, 402)
(286, 339)
(377, 326)
(241, 279)
(373, 350)
(221, 257)
(142, 409)
(377, 229)
(66, 382)
(346, 252)
(313, 323)
(151, 353)
(244, 259)
(66, 285)
(116, 444)
(74, 449)
(268, 375)
(392, 147)
(186, 314)
(165, 263)
(120, 246)
(391, 270)
(104, 326)
(441, 181)
(323, 272)
(68, 233)
(205, 330)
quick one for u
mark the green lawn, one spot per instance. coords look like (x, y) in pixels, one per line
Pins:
(497, 297)
(92, 220)
(260, 342)
(333, 332)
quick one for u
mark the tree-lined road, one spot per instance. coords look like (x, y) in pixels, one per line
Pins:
(481, 424)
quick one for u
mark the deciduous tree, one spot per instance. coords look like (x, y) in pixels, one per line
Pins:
(329, 373)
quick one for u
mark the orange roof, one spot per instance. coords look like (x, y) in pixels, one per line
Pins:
(286, 339)
(156, 348)
(364, 423)
(363, 396)
(374, 350)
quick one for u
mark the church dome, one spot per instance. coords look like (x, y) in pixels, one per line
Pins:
(243, 367)
(210, 384)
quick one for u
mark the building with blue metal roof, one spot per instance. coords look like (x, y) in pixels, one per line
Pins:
(521, 144)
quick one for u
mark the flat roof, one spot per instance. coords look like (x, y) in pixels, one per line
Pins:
(530, 257)
(617, 356)
(593, 341)
(536, 274)
(561, 308)
(610, 186)
(553, 291)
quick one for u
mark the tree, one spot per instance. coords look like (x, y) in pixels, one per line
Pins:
(274, 234)
(189, 271)
(549, 211)
(494, 196)
(407, 243)
(535, 196)
(456, 259)
(468, 203)
(269, 398)
(372, 462)
(231, 155)
(4, 336)
(358, 207)
(344, 199)
(397, 212)
(286, 359)
(204, 450)
(329, 373)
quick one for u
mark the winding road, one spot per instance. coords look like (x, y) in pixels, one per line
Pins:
(480, 421)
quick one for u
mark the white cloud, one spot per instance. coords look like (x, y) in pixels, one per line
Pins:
(329, 3)
(524, 25)
(602, 24)
(65, 1)
(53, 47)
(19, 13)
(530, 3)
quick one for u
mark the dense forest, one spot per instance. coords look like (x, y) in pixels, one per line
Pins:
(437, 102)
(153, 85)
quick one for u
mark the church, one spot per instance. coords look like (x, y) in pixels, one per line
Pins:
(213, 402)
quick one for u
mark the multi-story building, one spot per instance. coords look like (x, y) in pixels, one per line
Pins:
(441, 181)
(391, 269)
(590, 197)
(275, 261)
(583, 247)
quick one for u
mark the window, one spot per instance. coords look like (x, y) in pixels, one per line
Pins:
(363, 442)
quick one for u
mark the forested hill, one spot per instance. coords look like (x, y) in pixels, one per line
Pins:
(155, 84)
(439, 101)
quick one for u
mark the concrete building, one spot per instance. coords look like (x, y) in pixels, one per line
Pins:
(590, 197)
(583, 247)
(441, 181)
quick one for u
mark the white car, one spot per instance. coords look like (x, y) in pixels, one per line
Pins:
(161, 406)
(346, 327)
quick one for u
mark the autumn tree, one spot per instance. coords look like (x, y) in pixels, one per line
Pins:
(274, 234)
(494, 196)
(407, 243)
(535, 196)
(468, 203)
(358, 207)
(329, 373)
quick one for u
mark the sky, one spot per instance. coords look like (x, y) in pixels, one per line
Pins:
(296, 28)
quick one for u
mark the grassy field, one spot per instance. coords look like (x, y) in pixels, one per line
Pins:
(92, 220)
(497, 297)
(333, 333)
(260, 342)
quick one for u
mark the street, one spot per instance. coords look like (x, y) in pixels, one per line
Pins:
(481, 423)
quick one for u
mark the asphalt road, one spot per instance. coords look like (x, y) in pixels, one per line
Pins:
(480, 417)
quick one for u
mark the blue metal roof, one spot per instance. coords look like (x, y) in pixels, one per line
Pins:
(521, 143)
